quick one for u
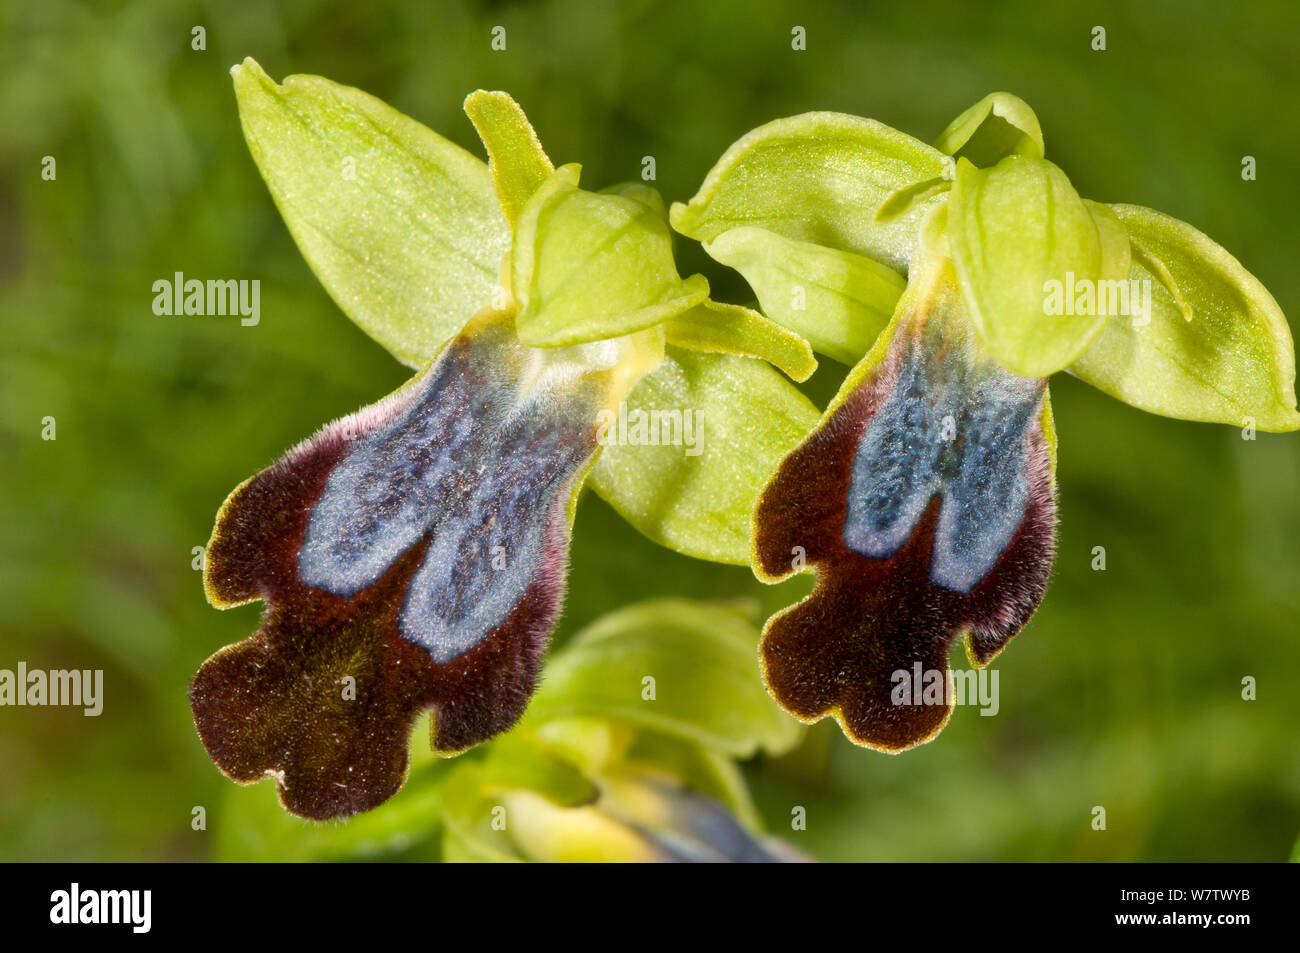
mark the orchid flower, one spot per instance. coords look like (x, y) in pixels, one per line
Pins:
(412, 555)
(955, 279)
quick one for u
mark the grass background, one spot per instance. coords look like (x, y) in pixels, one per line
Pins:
(1125, 690)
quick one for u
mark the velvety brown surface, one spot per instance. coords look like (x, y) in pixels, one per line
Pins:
(274, 703)
(836, 651)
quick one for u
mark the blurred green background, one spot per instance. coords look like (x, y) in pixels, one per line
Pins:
(1125, 690)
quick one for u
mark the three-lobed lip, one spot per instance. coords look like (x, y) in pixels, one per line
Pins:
(926, 502)
(417, 548)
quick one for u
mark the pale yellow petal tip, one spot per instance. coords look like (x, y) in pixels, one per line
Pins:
(488, 94)
(477, 96)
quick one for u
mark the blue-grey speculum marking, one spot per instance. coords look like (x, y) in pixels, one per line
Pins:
(472, 468)
(952, 429)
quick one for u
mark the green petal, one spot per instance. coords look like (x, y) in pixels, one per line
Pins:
(1233, 363)
(746, 416)
(997, 126)
(818, 178)
(589, 266)
(401, 226)
(1022, 241)
(516, 160)
(839, 301)
(704, 665)
(730, 329)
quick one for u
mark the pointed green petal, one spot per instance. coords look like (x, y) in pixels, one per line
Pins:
(997, 126)
(818, 178)
(835, 299)
(730, 329)
(401, 226)
(1233, 363)
(589, 266)
(695, 496)
(1021, 240)
(516, 160)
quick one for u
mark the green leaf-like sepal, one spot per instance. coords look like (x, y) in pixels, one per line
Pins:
(401, 226)
(1232, 363)
(520, 760)
(816, 178)
(694, 493)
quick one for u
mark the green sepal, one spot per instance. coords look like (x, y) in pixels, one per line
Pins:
(747, 417)
(1232, 363)
(468, 813)
(401, 226)
(519, 761)
(816, 178)
(702, 769)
